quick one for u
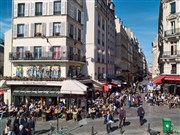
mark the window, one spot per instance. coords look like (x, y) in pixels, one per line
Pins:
(79, 35)
(56, 52)
(173, 71)
(79, 16)
(21, 9)
(19, 52)
(98, 37)
(173, 7)
(20, 30)
(103, 24)
(99, 22)
(56, 29)
(173, 27)
(173, 50)
(71, 31)
(37, 52)
(38, 29)
(38, 9)
(57, 7)
(102, 39)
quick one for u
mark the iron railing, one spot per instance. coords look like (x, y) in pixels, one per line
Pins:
(45, 56)
(167, 54)
(172, 32)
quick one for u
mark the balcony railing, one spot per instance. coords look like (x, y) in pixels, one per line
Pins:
(167, 54)
(45, 56)
(172, 32)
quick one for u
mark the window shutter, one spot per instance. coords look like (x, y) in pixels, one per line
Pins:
(44, 8)
(26, 9)
(32, 30)
(32, 9)
(15, 9)
(43, 50)
(62, 28)
(82, 17)
(13, 49)
(63, 7)
(44, 29)
(75, 13)
(14, 31)
(74, 33)
(26, 30)
(32, 50)
(51, 8)
(50, 29)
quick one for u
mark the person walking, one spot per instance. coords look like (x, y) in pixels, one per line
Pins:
(122, 118)
(141, 113)
(108, 120)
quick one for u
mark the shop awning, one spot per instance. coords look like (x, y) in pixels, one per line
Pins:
(158, 80)
(172, 78)
(73, 87)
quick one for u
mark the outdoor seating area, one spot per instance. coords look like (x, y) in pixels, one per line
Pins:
(159, 99)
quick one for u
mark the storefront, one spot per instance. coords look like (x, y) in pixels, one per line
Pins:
(71, 92)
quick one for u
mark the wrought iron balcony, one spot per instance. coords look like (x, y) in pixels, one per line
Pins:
(173, 32)
(15, 56)
(168, 54)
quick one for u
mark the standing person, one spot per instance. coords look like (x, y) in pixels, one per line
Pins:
(141, 113)
(122, 118)
(108, 120)
(16, 125)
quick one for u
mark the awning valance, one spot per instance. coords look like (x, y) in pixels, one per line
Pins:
(172, 78)
(73, 87)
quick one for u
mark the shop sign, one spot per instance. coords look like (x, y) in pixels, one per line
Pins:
(34, 83)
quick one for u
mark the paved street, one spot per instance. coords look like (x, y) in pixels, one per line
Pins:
(153, 116)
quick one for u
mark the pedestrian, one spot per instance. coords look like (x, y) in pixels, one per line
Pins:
(141, 113)
(108, 121)
(122, 118)
(16, 124)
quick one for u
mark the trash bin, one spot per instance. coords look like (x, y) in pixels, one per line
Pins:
(166, 124)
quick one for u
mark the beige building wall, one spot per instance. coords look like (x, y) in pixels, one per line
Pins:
(171, 25)
(155, 56)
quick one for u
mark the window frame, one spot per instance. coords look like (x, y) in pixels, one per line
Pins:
(54, 11)
(18, 30)
(23, 12)
(173, 7)
(56, 33)
(37, 13)
(37, 34)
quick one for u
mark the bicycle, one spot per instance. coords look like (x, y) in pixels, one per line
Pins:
(173, 130)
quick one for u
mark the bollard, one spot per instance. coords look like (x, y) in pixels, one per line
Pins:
(148, 130)
(92, 131)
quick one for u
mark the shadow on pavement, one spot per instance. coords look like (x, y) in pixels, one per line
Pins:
(114, 128)
(116, 120)
(42, 131)
(144, 121)
(127, 123)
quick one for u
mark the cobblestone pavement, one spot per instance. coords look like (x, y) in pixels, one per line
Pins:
(154, 115)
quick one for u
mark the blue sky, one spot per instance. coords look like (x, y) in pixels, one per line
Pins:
(142, 17)
(139, 15)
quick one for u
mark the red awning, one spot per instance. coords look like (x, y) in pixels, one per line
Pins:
(172, 78)
(158, 80)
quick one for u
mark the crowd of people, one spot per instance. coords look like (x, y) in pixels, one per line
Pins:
(158, 98)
